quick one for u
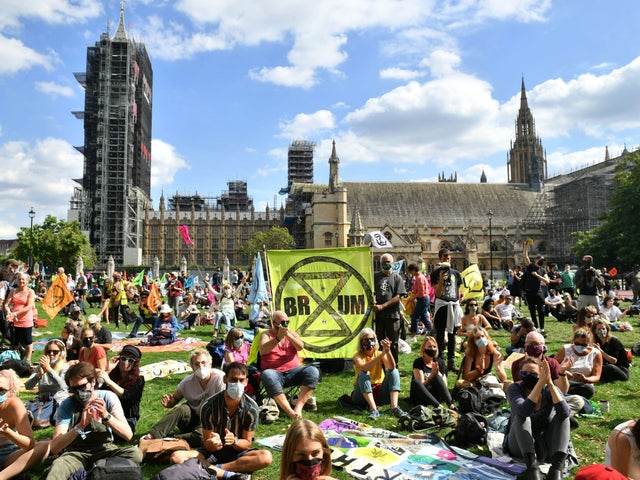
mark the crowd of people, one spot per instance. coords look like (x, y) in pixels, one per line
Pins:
(95, 402)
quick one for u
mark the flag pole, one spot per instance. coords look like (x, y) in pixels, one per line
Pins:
(265, 268)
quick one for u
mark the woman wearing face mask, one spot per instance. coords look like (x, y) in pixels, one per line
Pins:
(48, 376)
(586, 368)
(124, 379)
(226, 306)
(481, 356)
(615, 363)
(305, 453)
(373, 386)
(18, 450)
(533, 432)
(235, 348)
(489, 312)
(166, 330)
(585, 317)
(91, 352)
(429, 383)
(470, 320)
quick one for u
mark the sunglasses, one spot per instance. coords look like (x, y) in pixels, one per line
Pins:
(77, 388)
(580, 344)
(3, 391)
(240, 337)
(51, 352)
(88, 338)
(129, 360)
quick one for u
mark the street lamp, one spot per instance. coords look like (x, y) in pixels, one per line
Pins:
(336, 234)
(506, 256)
(32, 214)
(490, 215)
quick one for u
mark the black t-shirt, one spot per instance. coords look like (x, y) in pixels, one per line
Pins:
(418, 364)
(531, 284)
(450, 286)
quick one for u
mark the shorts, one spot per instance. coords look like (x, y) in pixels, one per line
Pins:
(22, 335)
(225, 455)
(5, 452)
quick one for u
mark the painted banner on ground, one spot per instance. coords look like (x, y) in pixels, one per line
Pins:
(327, 295)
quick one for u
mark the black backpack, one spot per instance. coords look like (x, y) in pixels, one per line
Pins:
(216, 349)
(472, 430)
(468, 400)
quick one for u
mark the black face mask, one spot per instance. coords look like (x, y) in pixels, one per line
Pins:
(368, 344)
(430, 352)
(530, 380)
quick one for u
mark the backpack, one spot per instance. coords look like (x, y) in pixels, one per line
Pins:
(422, 418)
(115, 468)
(469, 400)
(472, 430)
(216, 348)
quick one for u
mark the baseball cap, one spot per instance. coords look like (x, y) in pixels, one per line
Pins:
(131, 350)
(597, 471)
(93, 318)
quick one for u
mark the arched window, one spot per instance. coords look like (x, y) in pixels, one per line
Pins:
(328, 239)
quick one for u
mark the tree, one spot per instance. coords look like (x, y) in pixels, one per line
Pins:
(616, 240)
(278, 238)
(54, 244)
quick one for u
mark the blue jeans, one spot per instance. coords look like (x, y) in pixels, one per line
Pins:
(391, 383)
(274, 381)
(420, 313)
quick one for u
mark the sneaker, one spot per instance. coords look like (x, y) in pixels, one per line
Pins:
(373, 414)
(397, 412)
(310, 406)
(573, 423)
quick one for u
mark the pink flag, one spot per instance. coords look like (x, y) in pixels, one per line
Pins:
(184, 231)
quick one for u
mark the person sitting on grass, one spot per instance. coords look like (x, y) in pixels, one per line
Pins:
(519, 334)
(305, 453)
(19, 452)
(195, 389)
(281, 368)
(229, 422)
(91, 352)
(481, 356)
(534, 433)
(103, 335)
(124, 379)
(148, 314)
(226, 305)
(429, 382)
(235, 348)
(586, 364)
(86, 423)
(377, 380)
(623, 449)
(615, 363)
(470, 320)
(167, 327)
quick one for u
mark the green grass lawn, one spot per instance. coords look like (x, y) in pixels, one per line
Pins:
(589, 439)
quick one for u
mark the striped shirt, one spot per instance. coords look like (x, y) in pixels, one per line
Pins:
(215, 416)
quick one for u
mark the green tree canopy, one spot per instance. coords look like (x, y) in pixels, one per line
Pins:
(616, 240)
(54, 244)
(278, 238)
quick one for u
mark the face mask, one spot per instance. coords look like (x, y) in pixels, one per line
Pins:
(308, 469)
(473, 308)
(386, 266)
(238, 342)
(529, 379)
(430, 352)
(83, 396)
(602, 332)
(535, 350)
(580, 348)
(87, 342)
(235, 390)
(53, 362)
(482, 342)
(203, 372)
(3, 398)
(69, 341)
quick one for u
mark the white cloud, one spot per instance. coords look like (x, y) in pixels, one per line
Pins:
(48, 11)
(54, 89)
(306, 125)
(165, 164)
(16, 56)
(400, 74)
(40, 176)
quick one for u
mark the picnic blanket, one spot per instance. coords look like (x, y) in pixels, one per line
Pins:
(368, 453)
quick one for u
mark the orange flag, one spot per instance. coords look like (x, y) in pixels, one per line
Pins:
(58, 296)
(155, 299)
(613, 271)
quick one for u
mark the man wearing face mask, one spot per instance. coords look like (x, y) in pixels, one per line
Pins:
(229, 421)
(195, 389)
(534, 346)
(535, 275)
(102, 334)
(588, 281)
(388, 288)
(85, 426)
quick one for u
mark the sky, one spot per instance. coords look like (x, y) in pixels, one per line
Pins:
(408, 89)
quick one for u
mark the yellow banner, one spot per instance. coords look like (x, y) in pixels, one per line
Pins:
(472, 285)
(57, 297)
(327, 295)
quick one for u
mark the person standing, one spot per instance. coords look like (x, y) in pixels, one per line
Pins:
(448, 314)
(19, 310)
(388, 288)
(420, 290)
(588, 282)
(535, 275)
(568, 284)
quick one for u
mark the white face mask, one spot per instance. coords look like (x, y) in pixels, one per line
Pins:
(235, 390)
(203, 372)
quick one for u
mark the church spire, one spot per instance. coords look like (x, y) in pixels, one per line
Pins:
(334, 161)
(121, 32)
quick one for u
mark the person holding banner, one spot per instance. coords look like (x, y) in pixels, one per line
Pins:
(448, 314)
(389, 288)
